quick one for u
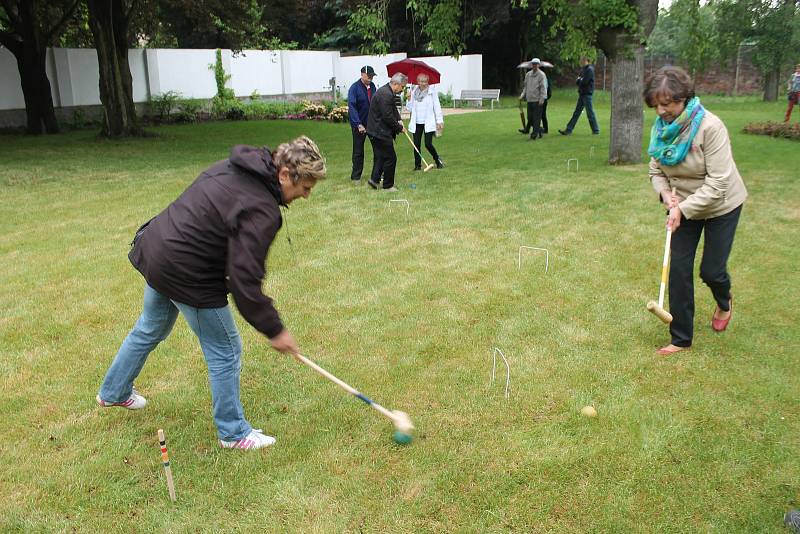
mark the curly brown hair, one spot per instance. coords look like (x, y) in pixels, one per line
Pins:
(671, 82)
(303, 159)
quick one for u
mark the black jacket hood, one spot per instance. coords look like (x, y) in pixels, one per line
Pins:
(258, 162)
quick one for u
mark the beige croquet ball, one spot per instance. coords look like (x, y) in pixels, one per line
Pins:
(589, 411)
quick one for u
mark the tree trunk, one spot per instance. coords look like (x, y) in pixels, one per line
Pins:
(39, 110)
(771, 81)
(108, 20)
(627, 119)
(30, 50)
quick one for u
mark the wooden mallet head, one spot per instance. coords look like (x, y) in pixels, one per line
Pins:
(659, 312)
(403, 427)
(428, 167)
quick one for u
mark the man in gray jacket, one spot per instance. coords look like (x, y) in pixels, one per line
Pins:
(534, 91)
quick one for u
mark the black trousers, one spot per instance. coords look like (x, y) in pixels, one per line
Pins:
(534, 118)
(384, 162)
(428, 144)
(719, 233)
(544, 117)
(358, 154)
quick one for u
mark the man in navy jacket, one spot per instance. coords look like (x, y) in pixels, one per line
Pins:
(585, 83)
(358, 99)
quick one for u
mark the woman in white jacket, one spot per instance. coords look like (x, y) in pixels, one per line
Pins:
(426, 117)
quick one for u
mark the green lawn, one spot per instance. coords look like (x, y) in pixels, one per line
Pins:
(407, 309)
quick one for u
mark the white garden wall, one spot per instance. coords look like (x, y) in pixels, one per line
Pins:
(74, 74)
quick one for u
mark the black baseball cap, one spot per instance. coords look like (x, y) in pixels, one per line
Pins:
(369, 70)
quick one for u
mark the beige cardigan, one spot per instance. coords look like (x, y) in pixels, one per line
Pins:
(707, 181)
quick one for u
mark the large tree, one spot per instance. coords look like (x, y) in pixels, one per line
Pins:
(27, 28)
(118, 24)
(109, 21)
(620, 29)
(777, 41)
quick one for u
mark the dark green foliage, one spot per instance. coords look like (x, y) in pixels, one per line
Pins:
(162, 105)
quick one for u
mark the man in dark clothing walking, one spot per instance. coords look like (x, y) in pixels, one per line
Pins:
(211, 241)
(383, 125)
(358, 99)
(585, 84)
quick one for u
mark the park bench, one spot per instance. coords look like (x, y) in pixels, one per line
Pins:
(479, 95)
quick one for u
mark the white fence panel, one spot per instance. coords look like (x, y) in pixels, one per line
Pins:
(348, 69)
(307, 71)
(10, 88)
(188, 72)
(257, 70)
(465, 72)
(78, 76)
(74, 73)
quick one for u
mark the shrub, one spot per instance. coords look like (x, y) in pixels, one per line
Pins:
(224, 104)
(227, 108)
(79, 120)
(339, 114)
(312, 110)
(257, 109)
(163, 104)
(785, 130)
(189, 109)
(446, 99)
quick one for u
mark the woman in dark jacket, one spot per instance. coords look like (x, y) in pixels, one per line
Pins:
(212, 240)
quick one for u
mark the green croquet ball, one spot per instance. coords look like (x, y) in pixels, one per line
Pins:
(402, 438)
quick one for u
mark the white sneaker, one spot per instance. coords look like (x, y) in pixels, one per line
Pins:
(134, 402)
(392, 189)
(256, 439)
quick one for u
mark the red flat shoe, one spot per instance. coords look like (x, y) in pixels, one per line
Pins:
(670, 349)
(719, 325)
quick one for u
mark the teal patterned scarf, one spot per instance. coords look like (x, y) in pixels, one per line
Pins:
(670, 142)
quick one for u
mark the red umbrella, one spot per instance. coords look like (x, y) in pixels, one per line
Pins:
(413, 68)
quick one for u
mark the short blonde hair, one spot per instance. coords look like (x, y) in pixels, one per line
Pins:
(303, 159)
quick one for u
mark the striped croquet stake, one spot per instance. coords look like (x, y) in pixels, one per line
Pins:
(165, 460)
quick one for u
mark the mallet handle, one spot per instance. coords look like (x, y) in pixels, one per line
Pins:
(348, 388)
(664, 270)
(665, 266)
(415, 147)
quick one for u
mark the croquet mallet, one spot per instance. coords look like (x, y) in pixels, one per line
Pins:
(521, 114)
(658, 309)
(401, 421)
(427, 167)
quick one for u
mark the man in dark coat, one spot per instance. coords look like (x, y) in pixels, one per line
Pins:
(585, 83)
(211, 241)
(358, 100)
(383, 125)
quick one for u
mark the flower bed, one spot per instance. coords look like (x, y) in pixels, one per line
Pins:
(787, 130)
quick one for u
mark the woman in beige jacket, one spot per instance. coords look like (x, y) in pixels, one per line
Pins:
(690, 151)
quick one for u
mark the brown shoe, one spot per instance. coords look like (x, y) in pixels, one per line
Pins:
(670, 349)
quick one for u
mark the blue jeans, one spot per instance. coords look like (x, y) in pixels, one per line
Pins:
(584, 101)
(222, 348)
